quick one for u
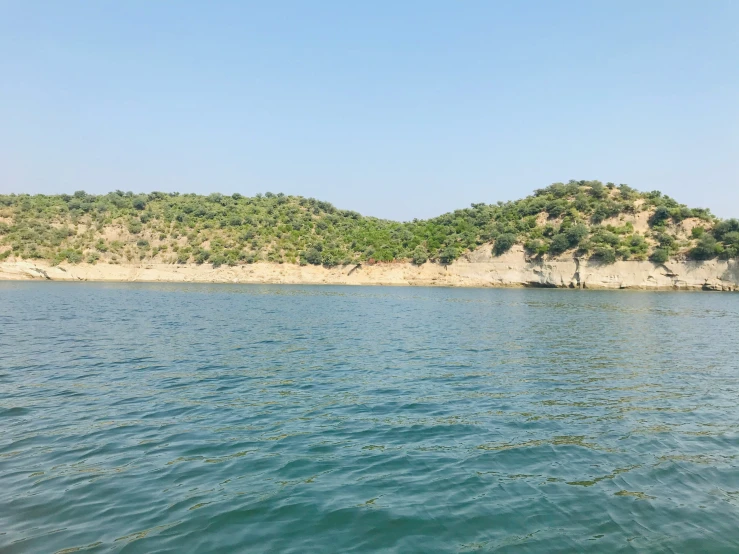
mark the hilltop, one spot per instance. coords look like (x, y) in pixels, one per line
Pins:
(575, 220)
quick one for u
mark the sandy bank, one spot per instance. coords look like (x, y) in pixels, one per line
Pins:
(476, 269)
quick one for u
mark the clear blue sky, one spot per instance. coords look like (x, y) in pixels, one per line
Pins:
(394, 109)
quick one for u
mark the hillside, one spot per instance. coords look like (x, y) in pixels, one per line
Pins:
(580, 219)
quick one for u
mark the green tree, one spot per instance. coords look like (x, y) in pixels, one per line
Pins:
(560, 243)
(448, 255)
(660, 255)
(605, 254)
(504, 243)
(420, 255)
(706, 249)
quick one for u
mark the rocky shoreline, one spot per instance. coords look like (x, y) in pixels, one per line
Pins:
(476, 269)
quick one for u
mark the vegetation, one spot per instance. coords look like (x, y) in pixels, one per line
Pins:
(580, 218)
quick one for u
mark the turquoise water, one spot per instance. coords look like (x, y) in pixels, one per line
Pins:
(236, 418)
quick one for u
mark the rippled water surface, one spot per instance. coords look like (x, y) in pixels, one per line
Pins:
(236, 418)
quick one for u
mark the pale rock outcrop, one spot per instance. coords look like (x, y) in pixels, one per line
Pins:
(474, 269)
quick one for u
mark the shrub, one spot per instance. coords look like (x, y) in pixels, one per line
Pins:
(724, 227)
(448, 255)
(420, 255)
(731, 238)
(72, 256)
(328, 259)
(660, 215)
(597, 189)
(623, 252)
(202, 256)
(637, 244)
(605, 254)
(706, 249)
(560, 243)
(313, 256)
(604, 236)
(218, 259)
(576, 233)
(660, 255)
(666, 242)
(504, 243)
(537, 247)
(93, 257)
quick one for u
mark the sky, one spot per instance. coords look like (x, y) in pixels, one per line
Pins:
(394, 109)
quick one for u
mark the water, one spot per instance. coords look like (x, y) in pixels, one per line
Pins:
(236, 418)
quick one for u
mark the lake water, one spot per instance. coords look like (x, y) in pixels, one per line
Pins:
(236, 418)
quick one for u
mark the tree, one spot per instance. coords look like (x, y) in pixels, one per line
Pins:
(660, 255)
(448, 255)
(576, 233)
(504, 243)
(537, 247)
(660, 215)
(313, 256)
(560, 243)
(605, 254)
(706, 249)
(420, 255)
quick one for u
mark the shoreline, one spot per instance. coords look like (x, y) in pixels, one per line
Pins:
(476, 270)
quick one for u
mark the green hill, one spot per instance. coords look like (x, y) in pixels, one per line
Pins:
(579, 218)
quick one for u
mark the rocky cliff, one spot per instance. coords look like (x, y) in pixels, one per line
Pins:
(476, 269)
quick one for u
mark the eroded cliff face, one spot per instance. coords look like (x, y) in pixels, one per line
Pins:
(476, 269)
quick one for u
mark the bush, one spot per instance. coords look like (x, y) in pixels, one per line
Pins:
(560, 243)
(313, 256)
(328, 259)
(731, 239)
(623, 252)
(448, 255)
(202, 256)
(666, 242)
(537, 247)
(706, 249)
(604, 236)
(72, 256)
(660, 255)
(660, 215)
(93, 257)
(504, 243)
(420, 255)
(725, 227)
(218, 259)
(605, 254)
(576, 233)
(638, 245)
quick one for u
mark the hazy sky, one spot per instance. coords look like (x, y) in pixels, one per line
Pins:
(394, 109)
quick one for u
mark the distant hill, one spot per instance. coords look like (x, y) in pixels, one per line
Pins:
(584, 219)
